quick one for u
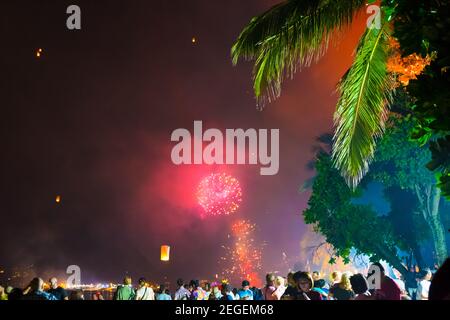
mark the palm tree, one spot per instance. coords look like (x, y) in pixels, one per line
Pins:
(295, 33)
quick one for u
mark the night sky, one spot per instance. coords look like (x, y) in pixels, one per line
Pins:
(91, 120)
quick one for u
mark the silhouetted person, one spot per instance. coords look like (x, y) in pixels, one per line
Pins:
(269, 290)
(35, 291)
(77, 295)
(144, 292)
(182, 293)
(305, 284)
(389, 289)
(56, 290)
(15, 294)
(343, 289)
(245, 293)
(125, 291)
(360, 287)
(440, 285)
(423, 287)
(163, 293)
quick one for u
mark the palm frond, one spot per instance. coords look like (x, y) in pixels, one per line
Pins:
(289, 36)
(365, 94)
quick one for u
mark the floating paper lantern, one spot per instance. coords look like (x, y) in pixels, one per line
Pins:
(165, 253)
(58, 199)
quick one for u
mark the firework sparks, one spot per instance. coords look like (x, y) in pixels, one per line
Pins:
(243, 257)
(219, 194)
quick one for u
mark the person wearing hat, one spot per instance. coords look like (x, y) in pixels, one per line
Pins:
(245, 293)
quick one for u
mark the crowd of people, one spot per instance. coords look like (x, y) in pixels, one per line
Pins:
(296, 286)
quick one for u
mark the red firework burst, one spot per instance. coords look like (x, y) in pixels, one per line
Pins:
(219, 194)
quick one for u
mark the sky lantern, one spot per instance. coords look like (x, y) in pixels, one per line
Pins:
(38, 53)
(58, 199)
(165, 253)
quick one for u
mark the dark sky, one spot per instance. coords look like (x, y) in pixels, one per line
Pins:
(91, 120)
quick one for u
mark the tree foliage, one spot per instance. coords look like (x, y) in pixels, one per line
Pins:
(400, 161)
(289, 36)
(408, 224)
(344, 224)
(365, 93)
(422, 26)
(415, 216)
(295, 33)
(440, 163)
